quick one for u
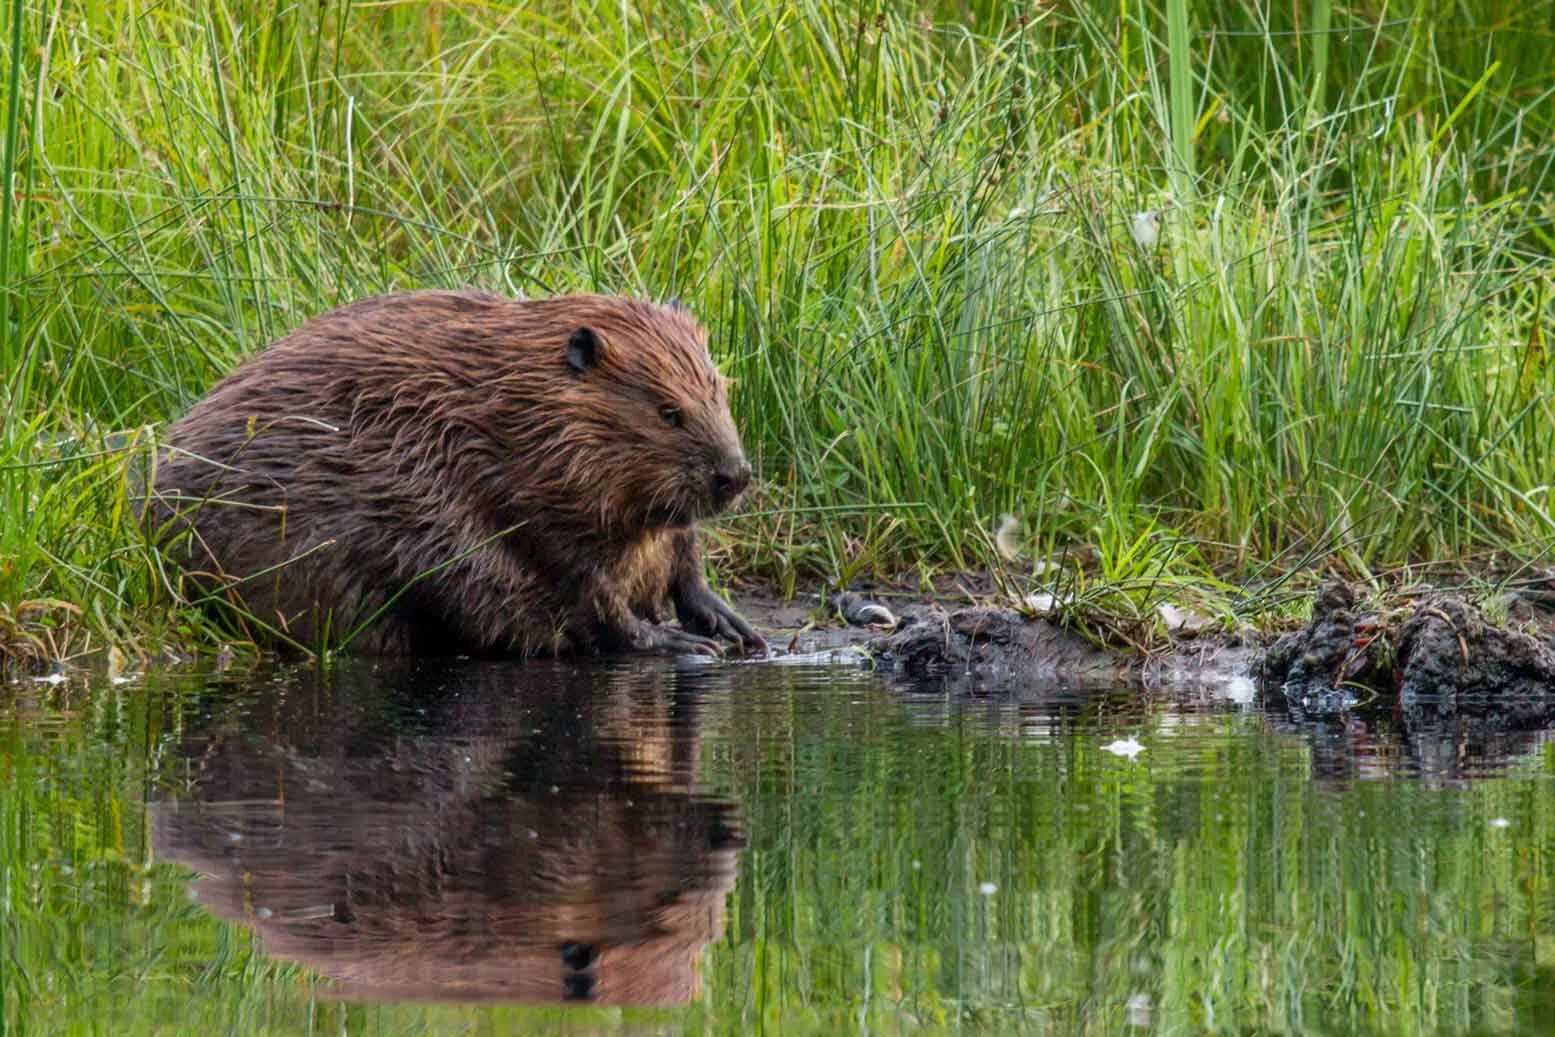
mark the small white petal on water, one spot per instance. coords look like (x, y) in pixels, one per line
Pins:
(988, 889)
(1129, 747)
(1500, 822)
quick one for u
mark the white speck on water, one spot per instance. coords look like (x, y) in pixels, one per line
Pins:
(51, 678)
(532, 833)
(262, 912)
(988, 889)
(1128, 747)
(234, 837)
(1500, 822)
(1139, 1007)
(916, 865)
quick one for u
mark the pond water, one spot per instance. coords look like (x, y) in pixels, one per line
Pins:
(465, 847)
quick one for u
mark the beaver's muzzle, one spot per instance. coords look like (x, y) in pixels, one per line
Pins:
(730, 477)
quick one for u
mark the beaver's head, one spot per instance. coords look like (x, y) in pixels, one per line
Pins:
(649, 427)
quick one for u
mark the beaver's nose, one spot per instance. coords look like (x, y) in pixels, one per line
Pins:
(730, 477)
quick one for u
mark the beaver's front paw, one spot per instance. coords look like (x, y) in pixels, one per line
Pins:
(653, 637)
(703, 612)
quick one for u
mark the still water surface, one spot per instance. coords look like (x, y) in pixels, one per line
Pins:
(468, 847)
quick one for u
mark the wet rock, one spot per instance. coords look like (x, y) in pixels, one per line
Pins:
(859, 611)
(997, 645)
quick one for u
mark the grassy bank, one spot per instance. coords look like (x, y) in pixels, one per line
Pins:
(910, 230)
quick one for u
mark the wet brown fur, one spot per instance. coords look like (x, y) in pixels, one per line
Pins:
(434, 455)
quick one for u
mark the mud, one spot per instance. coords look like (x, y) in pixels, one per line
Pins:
(983, 645)
(1436, 656)
(1431, 655)
(1424, 656)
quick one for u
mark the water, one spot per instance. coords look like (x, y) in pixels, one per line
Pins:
(447, 848)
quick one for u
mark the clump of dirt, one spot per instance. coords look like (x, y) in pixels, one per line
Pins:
(934, 641)
(999, 643)
(1437, 655)
(1452, 659)
(1321, 665)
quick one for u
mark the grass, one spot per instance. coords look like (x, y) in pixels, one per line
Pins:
(908, 229)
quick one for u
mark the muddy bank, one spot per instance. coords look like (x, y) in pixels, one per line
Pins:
(1436, 655)
(987, 645)
(1430, 654)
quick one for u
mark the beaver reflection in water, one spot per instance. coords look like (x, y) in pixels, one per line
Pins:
(438, 831)
(455, 471)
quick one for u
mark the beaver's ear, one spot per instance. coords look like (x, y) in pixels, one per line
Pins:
(584, 349)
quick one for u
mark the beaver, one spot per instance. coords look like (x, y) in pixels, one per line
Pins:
(454, 471)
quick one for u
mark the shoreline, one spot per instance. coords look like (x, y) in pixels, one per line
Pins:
(1427, 652)
(1424, 650)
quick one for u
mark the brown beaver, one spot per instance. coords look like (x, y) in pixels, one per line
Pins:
(455, 471)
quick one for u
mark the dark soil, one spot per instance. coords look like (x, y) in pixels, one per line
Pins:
(1434, 657)
(939, 640)
(1430, 655)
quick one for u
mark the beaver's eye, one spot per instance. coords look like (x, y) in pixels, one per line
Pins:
(671, 415)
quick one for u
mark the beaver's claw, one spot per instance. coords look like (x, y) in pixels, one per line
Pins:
(703, 612)
(652, 637)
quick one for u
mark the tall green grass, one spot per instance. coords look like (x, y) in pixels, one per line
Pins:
(907, 227)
